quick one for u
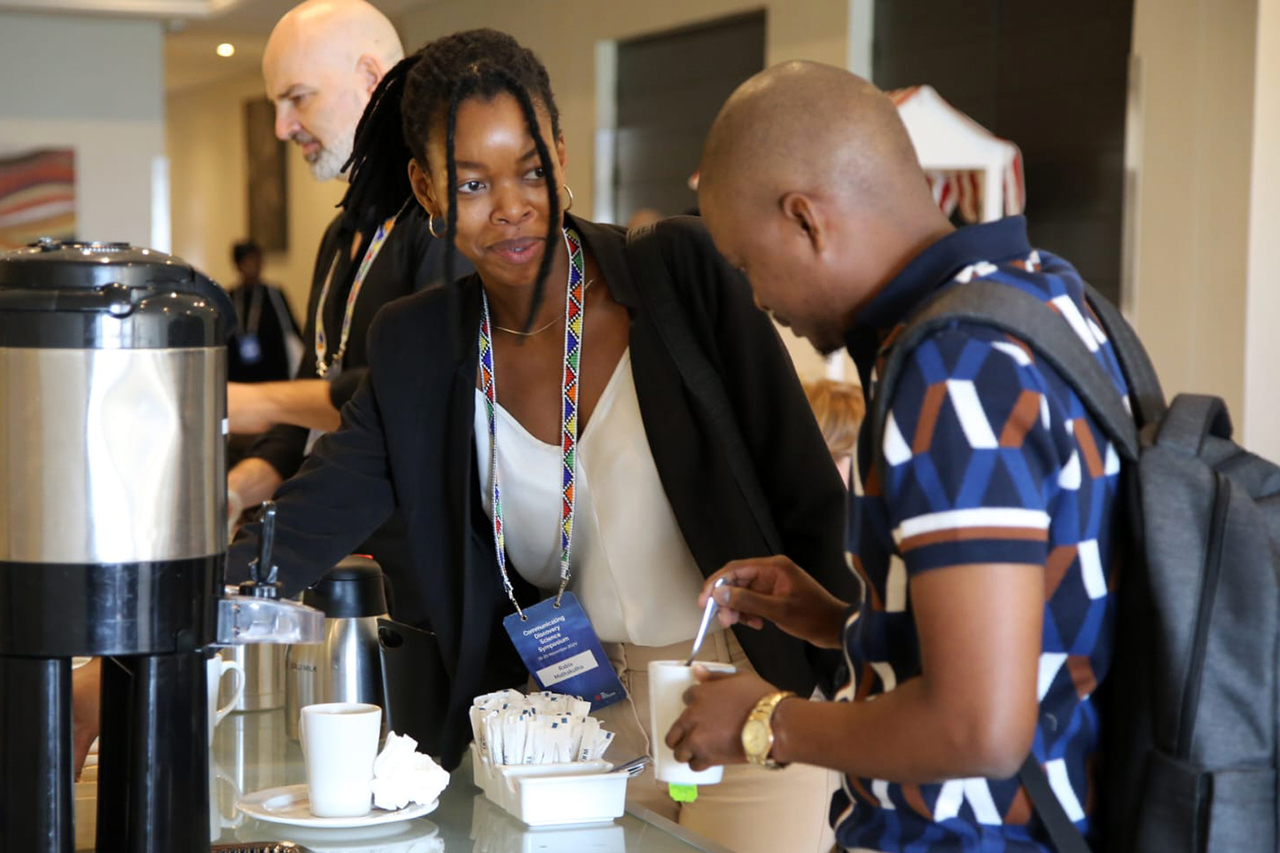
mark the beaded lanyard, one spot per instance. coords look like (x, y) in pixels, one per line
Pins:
(322, 341)
(573, 315)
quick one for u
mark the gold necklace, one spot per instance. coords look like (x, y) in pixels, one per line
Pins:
(549, 325)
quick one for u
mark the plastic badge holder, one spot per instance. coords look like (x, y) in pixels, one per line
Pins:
(553, 794)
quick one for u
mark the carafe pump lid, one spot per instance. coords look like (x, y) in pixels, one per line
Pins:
(352, 589)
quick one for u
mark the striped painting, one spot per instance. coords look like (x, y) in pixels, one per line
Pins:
(37, 196)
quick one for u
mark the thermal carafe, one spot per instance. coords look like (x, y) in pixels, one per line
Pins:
(347, 665)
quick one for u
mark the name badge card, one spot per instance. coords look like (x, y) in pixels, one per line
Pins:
(562, 652)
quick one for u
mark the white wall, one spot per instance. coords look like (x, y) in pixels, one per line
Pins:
(1262, 303)
(209, 159)
(565, 35)
(94, 85)
(1193, 113)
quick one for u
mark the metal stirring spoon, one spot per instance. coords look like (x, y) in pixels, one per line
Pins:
(710, 611)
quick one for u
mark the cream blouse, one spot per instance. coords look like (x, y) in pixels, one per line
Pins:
(632, 571)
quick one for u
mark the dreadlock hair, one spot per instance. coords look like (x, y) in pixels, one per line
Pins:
(429, 87)
(379, 180)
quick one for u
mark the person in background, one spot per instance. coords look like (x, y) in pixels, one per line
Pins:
(982, 526)
(267, 344)
(839, 408)
(323, 62)
(467, 388)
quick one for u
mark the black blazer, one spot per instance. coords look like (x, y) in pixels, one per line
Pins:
(407, 441)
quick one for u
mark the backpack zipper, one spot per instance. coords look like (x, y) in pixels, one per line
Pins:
(1208, 592)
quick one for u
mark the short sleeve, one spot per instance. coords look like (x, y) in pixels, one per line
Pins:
(971, 465)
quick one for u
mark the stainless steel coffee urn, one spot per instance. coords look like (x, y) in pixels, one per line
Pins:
(112, 538)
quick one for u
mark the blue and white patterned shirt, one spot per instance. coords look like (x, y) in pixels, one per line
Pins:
(989, 457)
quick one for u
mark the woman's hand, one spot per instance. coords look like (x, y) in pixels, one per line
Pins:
(776, 589)
(709, 732)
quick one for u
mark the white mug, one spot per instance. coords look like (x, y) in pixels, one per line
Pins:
(215, 668)
(668, 680)
(339, 744)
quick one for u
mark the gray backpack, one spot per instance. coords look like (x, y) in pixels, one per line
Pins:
(1189, 710)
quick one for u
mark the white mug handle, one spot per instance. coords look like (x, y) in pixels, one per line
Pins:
(230, 666)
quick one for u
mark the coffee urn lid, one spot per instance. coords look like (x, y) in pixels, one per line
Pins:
(51, 291)
(350, 590)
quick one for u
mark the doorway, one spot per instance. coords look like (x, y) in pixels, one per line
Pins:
(668, 89)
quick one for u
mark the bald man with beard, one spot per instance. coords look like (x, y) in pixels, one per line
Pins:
(984, 549)
(323, 62)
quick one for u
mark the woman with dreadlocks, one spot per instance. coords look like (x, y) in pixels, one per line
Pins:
(583, 429)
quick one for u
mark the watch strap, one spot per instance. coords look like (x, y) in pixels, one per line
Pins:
(763, 713)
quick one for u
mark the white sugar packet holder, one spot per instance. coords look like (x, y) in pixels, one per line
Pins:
(541, 758)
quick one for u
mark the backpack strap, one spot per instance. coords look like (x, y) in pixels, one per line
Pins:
(1145, 394)
(1030, 320)
(658, 293)
(1194, 418)
(1063, 834)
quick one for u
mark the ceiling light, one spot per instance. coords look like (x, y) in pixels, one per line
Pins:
(226, 49)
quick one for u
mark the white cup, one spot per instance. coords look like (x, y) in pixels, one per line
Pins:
(668, 680)
(215, 668)
(339, 744)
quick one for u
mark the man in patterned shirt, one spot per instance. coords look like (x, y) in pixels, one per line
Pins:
(985, 548)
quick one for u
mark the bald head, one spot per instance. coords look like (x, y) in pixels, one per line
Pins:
(809, 181)
(323, 60)
(804, 126)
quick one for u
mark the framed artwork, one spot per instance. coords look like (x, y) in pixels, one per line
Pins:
(37, 196)
(267, 191)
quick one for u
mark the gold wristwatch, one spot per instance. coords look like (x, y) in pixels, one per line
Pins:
(757, 732)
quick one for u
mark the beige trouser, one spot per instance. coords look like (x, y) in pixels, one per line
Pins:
(752, 810)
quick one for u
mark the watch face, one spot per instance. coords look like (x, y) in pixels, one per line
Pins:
(755, 738)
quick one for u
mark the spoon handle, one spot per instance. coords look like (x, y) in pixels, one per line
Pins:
(707, 613)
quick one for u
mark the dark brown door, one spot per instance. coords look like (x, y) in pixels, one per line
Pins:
(670, 87)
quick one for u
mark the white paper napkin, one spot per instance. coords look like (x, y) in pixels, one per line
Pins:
(402, 775)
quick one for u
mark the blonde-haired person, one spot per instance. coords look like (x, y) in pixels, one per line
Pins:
(839, 408)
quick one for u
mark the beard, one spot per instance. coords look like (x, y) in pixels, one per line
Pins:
(327, 162)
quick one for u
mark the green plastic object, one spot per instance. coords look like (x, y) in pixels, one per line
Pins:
(682, 793)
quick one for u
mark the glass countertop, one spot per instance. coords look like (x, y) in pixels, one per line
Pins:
(251, 752)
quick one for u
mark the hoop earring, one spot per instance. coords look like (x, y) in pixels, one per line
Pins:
(431, 226)
(568, 207)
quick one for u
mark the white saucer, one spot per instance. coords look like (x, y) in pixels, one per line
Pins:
(418, 836)
(291, 805)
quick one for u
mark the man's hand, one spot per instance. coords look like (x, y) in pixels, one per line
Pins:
(86, 696)
(709, 732)
(249, 484)
(776, 589)
(249, 409)
(256, 407)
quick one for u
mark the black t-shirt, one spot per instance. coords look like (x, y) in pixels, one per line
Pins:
(259, 349)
